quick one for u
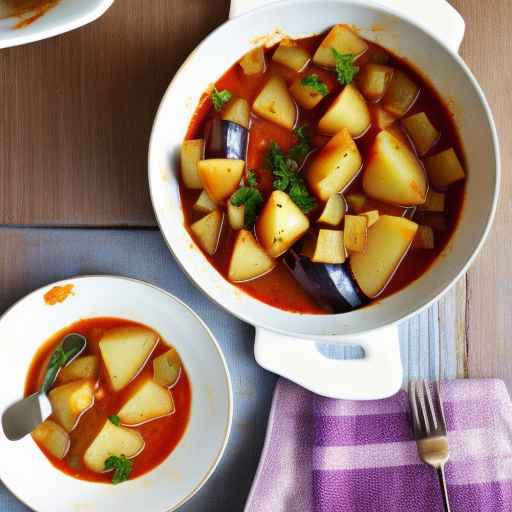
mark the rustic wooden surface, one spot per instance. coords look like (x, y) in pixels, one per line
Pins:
(76, 113)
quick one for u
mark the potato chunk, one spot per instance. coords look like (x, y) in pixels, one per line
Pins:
(207, 231)
(434, 203)
(204, 203)
(275, 104)
(86, 367)
(149, 402)
(372, 217)
(191, 152)
(401, 95)
(389, 239)
(291, 55)
(248, 260)
(237, 111)
(329, 247)
(52, 437)
(306, 96)
(125, 350)
(335, 166)
(355, 234)
(112, 440)
(334, 211)
(393, 174)
(167, 368)
(236, 216)
(422, 132)
(280, 224)
(382, 118)
(343, 39)
(349, 110)
(444, 169)
(374, 80)
(220, 176)
(356, 202)
(70, 401)
(253, 62)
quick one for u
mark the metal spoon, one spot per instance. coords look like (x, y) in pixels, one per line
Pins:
(23, 416)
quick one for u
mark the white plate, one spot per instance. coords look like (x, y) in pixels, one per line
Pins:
(28, 473)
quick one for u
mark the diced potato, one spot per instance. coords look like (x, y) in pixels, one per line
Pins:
(291, 55)
(401, 94)
(167, 368)
(434, 203)
(444, 169)
(356, 202)
(329, 247)
(382, 118)
(86, 367)
(112, 441)
(253, 62)
(423, 134)
(150, 401)
(372, 217)
(237, 111)
(355, 234)
(236, 216)
(334, 210)
(220, 176)
(424, 238)
(393, 173)
(125, 350)
(52, 437)
(373, 80)
(389, 240)
(204, 204)
(70, 401)
(248, 260)
(435, 220)
(343, 39)
(207, 231)
(335, 166)
(349, 110)
(305, 96)
(280, 224)
(275, 104)
(191, 152)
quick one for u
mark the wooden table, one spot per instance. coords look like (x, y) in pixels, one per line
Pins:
(75, 117)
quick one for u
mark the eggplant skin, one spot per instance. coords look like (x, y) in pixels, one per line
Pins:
(225, 139)
(332, 286)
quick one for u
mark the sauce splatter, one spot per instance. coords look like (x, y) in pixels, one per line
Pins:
(58, 294)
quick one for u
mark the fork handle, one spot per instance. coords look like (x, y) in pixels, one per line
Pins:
(444, 490)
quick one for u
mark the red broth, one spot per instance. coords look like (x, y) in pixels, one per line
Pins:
(161, 435)
(279, 288)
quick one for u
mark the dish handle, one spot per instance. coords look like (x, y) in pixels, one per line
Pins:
(377, 375)
(437, 16)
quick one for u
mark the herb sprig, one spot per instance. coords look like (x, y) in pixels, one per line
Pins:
(122, 468)
(115, 420)
(220, 98)
(345, 68)
(250, 197)
(302, 147)
(314, 82)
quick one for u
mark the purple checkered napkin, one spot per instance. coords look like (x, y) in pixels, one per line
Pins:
(324, 455)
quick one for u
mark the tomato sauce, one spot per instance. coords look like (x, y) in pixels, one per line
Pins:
(161, 435)
(28, 10)
(279, 288)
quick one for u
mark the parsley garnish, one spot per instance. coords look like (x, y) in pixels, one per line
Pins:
(115, 420)
(287, 180)
(220, 98)
(252, 199)
(314, 82)
(251, 179)
(302, 147)
(122, 468)
(345, 68)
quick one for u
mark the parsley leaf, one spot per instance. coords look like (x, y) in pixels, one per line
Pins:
(314, 82)
(122, 468)
(252, 199)
(220, 98)
(251, 179)
(115, 420)
(287, 180)
(345, 68)
(301, 149)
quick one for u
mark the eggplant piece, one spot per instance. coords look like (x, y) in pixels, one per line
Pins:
(225, 139)
(330, 284)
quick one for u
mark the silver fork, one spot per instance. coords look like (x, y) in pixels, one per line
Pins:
(429, 430)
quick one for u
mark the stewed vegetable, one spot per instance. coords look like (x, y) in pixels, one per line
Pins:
(325, 172)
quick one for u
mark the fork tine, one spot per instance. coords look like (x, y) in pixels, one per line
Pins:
(431, 407)
(422, 407)
(413, 405)
(440, 409)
